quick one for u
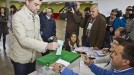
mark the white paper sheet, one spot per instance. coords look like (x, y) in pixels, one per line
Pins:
(59, 50)
(63, 62)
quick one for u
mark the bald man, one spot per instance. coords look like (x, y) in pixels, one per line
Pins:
(96, 26)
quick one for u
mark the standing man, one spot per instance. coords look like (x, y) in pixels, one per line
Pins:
(73, 16)
(85, 17)
(109, 29)
(27, 39)
(96, 27)
(48, 26)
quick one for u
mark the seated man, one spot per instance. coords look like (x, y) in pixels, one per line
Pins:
(122, 60)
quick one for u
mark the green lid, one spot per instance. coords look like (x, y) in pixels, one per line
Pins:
(52, 57)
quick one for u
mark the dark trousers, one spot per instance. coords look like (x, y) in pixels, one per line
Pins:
(85, 42)
(67, 35)
(108, 39)
(23, 69)
(4, 40)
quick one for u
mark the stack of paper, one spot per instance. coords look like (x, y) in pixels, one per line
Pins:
(99, 52)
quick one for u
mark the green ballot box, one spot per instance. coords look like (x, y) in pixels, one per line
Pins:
(52, 58)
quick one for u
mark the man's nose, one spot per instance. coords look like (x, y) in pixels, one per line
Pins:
(38, 7)
(111, 55)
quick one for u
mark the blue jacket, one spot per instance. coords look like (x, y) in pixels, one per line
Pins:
(48, 26)
(99, 71)
(118, 23)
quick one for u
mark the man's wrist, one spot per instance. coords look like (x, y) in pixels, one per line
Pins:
(61, 68)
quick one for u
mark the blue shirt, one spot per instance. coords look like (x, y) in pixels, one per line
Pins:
(99, 71)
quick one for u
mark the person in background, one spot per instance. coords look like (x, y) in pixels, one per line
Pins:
(48, 26)
(85, 17)
(109, 30)
(62, 15)
(96, 27)
(107, 59)
(3, 26)
(126, 16)
(13, 10)
(73, 16)
(122, 33)
(118, 21)
(119, 33)
(130, 24)
(27, 39)
(122, 60)
(72, 42)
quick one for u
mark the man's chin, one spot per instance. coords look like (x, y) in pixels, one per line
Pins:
(35, 12)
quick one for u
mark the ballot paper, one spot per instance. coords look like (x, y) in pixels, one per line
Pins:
(99, 52)
(63, 62)
(82, 49)
(59, 50)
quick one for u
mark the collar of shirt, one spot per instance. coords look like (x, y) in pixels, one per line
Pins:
(117, 71)
(48, 17)
(72, 47)
(29, 13)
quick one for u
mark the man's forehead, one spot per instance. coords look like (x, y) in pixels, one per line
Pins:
(114, 12)
(94, 9)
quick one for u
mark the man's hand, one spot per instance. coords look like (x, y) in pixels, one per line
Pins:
(111, 29)
(87, 61)
(105, 50)
(72, 10)
(57, 67)
(52, 46)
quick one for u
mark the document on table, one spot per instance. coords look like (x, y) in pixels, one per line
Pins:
(59, 50)
(63, 62)
(99, 52)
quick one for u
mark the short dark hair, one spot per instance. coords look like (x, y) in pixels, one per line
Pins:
(128, 52)
(122, 31)
(120, 40)
(51, 9)
(119, 12)
(87, 9)
(15, 9)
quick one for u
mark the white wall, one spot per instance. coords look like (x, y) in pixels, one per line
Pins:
(105, 6)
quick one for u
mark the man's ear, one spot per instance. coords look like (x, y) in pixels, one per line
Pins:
(126, 62)
(27, 2)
